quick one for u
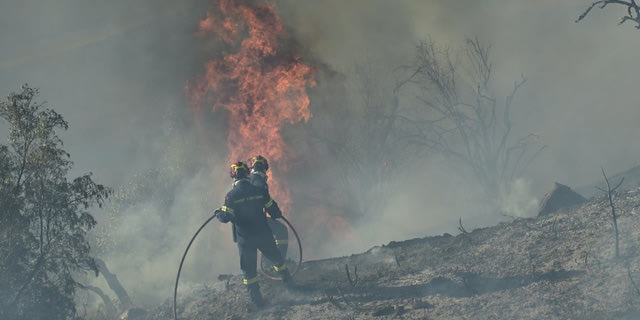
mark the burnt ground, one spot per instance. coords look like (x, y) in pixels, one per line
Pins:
(561, 266)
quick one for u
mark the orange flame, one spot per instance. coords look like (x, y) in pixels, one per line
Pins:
(262, 85)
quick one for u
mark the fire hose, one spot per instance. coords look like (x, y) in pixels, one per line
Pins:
(293, 271)
(175, 290)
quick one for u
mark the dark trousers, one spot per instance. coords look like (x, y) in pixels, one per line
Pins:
(281, 234)
(249, 255)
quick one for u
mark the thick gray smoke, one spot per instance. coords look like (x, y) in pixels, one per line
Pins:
(578, 97)
(116, 71)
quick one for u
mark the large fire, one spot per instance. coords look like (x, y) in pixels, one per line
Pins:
(261, 83)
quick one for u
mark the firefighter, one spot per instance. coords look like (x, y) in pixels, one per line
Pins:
(243, 207)
(258, 177)
(259, 166)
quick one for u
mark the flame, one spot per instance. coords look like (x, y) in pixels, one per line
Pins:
(262, 85)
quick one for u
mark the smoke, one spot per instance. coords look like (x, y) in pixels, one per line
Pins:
(577, 97)
(575, 71)
(148, 241)
(116, 71)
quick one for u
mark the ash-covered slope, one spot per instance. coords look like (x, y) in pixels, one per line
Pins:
(561, 266)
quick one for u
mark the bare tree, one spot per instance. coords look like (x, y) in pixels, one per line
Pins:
(459, 116)
(632, 8)
(610, 192)
(363, 139)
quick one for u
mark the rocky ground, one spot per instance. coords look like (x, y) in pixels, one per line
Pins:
(560, 266)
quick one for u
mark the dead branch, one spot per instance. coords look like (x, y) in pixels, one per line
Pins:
(109, 308)
(534, 273)
(586, 258)
(334, 302)
(459, 116)
(460, 227)
(586, 12)
(227, 279)
(633, 10)
(364, 138)
(349, 302)
(352, 282)
(610, 192)
(114, 284)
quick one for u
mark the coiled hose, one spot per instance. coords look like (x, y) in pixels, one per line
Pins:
(294, 270)
(175, 289)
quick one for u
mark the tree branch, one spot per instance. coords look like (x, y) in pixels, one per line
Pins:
(110, 310)
(632, 8)
(613, 210)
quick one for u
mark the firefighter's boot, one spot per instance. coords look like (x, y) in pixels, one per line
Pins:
(286, 278)
(254, 295)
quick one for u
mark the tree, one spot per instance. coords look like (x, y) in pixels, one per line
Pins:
(459, 116)
(362, 141)
(44, 217)
(632, 8)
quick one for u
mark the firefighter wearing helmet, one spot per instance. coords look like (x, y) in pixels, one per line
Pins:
(244, 207)
(258, 177)
(259, 166)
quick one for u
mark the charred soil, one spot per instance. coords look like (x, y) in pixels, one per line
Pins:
(560, 266)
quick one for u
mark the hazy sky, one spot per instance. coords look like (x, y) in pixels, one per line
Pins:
(114, 68)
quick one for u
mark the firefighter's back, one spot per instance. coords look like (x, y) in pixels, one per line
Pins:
(247, 202)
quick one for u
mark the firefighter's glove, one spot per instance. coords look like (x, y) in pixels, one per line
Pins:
(224, 216)
(276, 215)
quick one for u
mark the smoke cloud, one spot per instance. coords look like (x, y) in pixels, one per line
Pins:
(116, 70)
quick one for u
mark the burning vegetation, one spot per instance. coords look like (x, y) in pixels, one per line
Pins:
(260, 82)
(347, 151)
(258, 79)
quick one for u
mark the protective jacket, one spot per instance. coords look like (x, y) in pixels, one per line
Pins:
(244, 205)
(259, 179)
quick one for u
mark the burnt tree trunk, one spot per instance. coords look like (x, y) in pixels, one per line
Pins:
(109, 308)
(114, 284)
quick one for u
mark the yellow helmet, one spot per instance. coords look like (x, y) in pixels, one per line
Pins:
(259, 163)
(239, 170)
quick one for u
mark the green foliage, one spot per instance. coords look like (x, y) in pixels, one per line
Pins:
(44, 217)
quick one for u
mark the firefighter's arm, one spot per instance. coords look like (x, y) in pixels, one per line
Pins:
(272, 208)
(226, 212)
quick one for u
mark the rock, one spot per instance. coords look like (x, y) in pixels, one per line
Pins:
(558, 198)
(132, 314)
